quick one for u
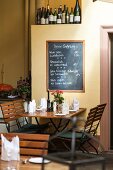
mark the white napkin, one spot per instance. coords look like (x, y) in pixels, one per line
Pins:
(54, 107)
(32, 106)
(75, 104)
(43, 103)
(10, 149)
(26, 106)
(65, 108)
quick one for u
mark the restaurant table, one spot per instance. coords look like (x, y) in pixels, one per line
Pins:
(19, 165)
(52, 116)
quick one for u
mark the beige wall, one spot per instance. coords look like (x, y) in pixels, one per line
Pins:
(56, 3)
(94, 14)
(12, 40)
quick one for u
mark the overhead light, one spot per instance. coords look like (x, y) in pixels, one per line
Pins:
(111, 1)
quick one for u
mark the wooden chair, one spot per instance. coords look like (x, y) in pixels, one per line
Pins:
(16, 123)
(10, 118)
(85, 138)
(30, 144)
(19, 108)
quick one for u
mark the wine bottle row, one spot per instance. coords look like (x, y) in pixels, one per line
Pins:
(59, 16)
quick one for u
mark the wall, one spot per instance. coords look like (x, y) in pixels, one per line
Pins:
(12, 40)
(56, 3)
(94, 14)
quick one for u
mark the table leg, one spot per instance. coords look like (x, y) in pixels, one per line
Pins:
(57, 127)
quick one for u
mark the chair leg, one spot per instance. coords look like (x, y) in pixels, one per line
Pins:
(93, 147)
(83, 149)
(18, 124)
(26, 120)
(37, 121)
(8, 128)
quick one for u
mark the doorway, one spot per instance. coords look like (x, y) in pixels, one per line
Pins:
(106, 82)
(111, 90)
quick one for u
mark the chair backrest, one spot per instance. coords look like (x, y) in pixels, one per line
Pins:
(31, 144)
(90, 119)
(8, 111)
(18, 105)
(94, 118)
(9, 115)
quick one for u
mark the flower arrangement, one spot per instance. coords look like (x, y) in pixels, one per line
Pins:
(24, 88)
(58, 98)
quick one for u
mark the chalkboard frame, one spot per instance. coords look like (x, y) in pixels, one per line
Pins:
(82, 90)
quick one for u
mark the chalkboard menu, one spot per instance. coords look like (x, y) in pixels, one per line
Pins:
(65, 65)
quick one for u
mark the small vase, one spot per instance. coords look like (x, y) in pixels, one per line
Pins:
(24, 96)
(59, 108)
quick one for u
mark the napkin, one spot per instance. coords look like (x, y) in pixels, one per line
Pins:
(54, 107)
(26, 106)
(43, 103)
(32, 106)
(75, 104)
(65, 108)
(10, 149)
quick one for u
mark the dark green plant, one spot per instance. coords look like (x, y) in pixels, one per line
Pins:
(24, 87)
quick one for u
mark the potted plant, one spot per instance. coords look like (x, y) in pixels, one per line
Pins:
(24, 88)
(24, 91)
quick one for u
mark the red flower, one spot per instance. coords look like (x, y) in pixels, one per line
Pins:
(58, 96)
(57, 92)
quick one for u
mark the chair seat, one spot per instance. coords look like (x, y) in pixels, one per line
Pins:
(33, 128)
(68, 135)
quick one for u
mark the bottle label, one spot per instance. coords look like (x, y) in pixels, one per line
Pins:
(47, 21)
(76, 18)
(67, 19)
(71, 18)
(63, 18)
(54, 18)
(58, 21)
(51, 18)
(42, 20)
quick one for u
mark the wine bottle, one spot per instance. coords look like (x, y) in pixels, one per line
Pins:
(77, 13)
(43, 16)
(51, 106)
(48, 103)
(67, 16)
(51, 17)
(55, 16)
(71, 17)
(47, 15)
(38, 16)
(60, 10)
(64, 15)
(59, 17)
